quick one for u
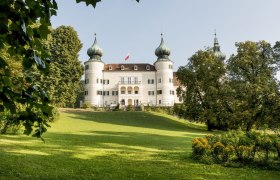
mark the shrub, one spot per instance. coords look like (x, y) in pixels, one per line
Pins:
(129, 108)
(200, 147)
(86, 105)
(236, 147)
(218, 151)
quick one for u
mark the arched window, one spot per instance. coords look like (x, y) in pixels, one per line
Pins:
(135, 68)
(136, 90)
(129, 90)
(147, 67)
(110, 68)
(123, 89)
(122, 67)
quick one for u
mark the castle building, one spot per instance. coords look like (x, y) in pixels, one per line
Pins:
(130, 84)
(133, 84)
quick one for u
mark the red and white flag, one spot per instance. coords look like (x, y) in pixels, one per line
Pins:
(126, 57)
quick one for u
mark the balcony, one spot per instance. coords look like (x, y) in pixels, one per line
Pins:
(129, 82)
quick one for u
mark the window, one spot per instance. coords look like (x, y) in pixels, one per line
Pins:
(129, 92)
(86, 93)
(97, 80)
(101, 81)
(110, 68)
(171, 92)
(122, 80)
(135, 68)
(170, 66)
(136, 80)
(86, 81)
(122, 67)
(151, 93)
(159, 80)
(129, 80)
(122, 92)
(135, 92)
(150, 81)
(99, 92)
(147, 67)
(105, 81)
(159, 91)
(170, 80)
(159, 101)
(114, 93)
(105, 93)
(86, 67)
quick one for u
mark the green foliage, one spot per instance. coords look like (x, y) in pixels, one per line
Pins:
(24, 24)
(63, 78)
(9, 123)
(243, 93)
(237, 146)
(164, 110)
(252, 77)
(79, 93)
(86, 105)
(203, 95)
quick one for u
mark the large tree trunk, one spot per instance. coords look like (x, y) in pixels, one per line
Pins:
(210, 126)
(249, 126)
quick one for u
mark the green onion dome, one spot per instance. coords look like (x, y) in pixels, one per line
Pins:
(162, 52)
(95, 52)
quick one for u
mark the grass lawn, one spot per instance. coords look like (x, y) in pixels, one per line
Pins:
(113, 145)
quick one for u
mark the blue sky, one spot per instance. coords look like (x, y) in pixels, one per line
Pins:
(125, 26)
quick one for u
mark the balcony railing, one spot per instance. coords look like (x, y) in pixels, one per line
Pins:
(129, 82)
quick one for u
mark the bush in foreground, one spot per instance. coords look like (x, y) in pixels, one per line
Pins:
(237, 147)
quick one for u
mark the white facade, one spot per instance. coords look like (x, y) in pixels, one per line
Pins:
(130, 84)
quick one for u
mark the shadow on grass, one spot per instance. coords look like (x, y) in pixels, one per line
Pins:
(135, 119)
(108, 155)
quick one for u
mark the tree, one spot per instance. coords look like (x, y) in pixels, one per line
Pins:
(252, 77)
(202, 82)
(65, 71)
(80, 93)
(244, 95)
(23, 26)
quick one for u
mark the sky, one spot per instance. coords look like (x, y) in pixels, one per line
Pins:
(125, 26)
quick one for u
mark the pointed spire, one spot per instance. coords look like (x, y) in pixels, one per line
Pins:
(162, 52)
(216, 43)
(95, 52)
(216, 47)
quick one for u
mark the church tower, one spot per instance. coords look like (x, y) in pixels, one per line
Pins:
(165, 92)
(94, 75)
(216, 49)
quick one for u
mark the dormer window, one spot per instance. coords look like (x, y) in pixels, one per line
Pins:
(110, 68)
(147, 67)
(135, 68)
(122, 67)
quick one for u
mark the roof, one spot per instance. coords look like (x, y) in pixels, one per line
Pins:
(176, 81)
(129, 67)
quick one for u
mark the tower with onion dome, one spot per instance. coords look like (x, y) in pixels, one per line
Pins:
(216, 49)
(165, 92)
(94, 75)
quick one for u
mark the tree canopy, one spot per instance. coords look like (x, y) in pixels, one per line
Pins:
(239, 94)
(24, 24)
(65, 71)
